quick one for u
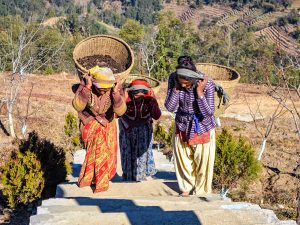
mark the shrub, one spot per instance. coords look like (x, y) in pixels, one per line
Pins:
(161, 135)
(22, 178)
(53, 161)
(268, 7)
(72, 130)
(235, 161)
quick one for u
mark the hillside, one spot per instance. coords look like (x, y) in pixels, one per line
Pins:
(277, 187)
(232, 19)
(259, 39)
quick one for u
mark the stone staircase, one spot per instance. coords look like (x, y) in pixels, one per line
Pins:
(154, 201)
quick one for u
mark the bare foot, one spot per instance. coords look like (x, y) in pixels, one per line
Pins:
(185, 194)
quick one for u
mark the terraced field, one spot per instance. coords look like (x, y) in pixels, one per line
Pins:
(296, 4)
(234, 19)
(263, 20)
(209, 13)
(195, 16)
(177, 9)
(230, 17)
(278, 37)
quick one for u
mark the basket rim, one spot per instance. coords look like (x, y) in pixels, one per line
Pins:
(107, 36)
(142, 76)
(222, 66)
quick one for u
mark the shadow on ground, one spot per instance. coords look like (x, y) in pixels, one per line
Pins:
(140, 214)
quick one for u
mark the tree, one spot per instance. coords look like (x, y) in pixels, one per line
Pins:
(143, 11)
(284, 87)
(132, 32)
(22, 178)
(174, 38)
(235, 161)
(238, 49)
(147, 49)
(20, 55)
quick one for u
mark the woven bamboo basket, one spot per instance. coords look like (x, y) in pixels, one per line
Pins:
(116, 48)
(154, 84)
(224, 76)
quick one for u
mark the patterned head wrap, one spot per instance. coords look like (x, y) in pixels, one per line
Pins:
(103, 77)
(139, 84)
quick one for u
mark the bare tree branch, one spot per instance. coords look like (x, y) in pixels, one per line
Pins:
(23, 60)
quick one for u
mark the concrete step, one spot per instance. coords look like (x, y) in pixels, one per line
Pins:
(155, 215)
(136, 203)
(159, 187)
(141, 200)
(108, 205)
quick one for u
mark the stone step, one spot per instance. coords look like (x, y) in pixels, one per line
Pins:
(121, 205)
(288, 222)
(155, 215)
(136, 203)
(159, 187)
(143, 200)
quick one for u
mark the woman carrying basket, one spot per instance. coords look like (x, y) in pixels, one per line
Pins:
(97, 100)
(191, 96)
(136, 132)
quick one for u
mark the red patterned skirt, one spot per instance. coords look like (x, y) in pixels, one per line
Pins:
(100, 162)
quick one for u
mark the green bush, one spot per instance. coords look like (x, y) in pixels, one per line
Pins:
(53, 161)
(161, 135)
(235, 161)
(72, 130)
(22, 179)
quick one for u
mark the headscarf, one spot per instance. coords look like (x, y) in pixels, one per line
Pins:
(187, 68)
(103, 77)
(190, 73)
(139, 84)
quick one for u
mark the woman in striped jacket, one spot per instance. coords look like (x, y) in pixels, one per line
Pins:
(191, 97)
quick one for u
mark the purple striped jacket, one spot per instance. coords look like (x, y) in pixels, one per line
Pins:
(186, 104)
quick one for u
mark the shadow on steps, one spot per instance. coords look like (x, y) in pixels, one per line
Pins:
(140, 214)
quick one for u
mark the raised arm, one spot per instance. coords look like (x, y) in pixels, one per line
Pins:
(206, 103)
(155, 110)
(172, 99)
(81, 98)
(119, 104)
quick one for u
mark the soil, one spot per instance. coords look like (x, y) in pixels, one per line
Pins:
(51, 100)
(89, 62)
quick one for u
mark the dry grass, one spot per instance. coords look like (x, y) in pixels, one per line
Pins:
(53, 21)
(295, 4)
(276, 189)
(51, 101)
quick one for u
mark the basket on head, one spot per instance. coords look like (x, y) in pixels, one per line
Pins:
(222, 75)
(104, 45)
(154, 84)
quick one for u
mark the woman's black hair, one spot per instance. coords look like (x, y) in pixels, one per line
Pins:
(186, 62)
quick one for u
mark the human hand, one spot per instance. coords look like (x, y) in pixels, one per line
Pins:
(88, 81)
(126, 95)
(118, 86)
(201, 86)
(150, 99)
(177, 85)
(151, 93)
